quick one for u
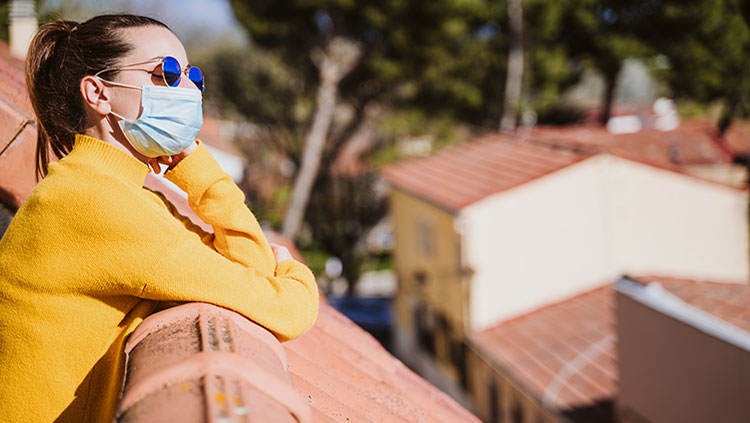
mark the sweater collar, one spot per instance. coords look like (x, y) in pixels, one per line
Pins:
(109, 158)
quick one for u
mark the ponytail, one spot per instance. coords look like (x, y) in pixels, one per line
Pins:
(60, 55)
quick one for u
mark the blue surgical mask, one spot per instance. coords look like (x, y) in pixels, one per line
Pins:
(169, 123)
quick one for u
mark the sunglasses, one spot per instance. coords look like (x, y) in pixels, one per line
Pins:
(171, 71)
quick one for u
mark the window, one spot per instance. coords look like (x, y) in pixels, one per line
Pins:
(421, 278)
(425, 235)
(443, 337)
(425, 325)
(458, 358)
(517, 413)
(493, 393)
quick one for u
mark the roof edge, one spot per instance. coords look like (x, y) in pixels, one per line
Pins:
(676, 171)
(656, 297)
(417, 196)
(514, 380)
(544, 306)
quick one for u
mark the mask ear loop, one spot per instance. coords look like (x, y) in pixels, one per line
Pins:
(118, 84)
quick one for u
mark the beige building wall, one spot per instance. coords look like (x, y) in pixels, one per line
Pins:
(670, 224)
(591, 222)
(537, 243)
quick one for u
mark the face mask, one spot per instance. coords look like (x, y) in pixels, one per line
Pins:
(169, 123)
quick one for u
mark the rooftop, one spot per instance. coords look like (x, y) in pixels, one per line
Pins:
(457, 176)
(694, 142)
(346, 375)
(17, 132)
(729, 302)
(179, 368)
(564, 353)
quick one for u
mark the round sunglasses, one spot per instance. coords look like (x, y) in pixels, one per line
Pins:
(171, 71)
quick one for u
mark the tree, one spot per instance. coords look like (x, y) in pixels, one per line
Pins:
(333, 63)
(597, 34)
(514, 75)
(438, 57)
(707, 47)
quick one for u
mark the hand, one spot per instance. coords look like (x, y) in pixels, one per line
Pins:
(171, 161)
(281, 253)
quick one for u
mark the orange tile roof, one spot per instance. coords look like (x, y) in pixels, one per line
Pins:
(347, 376)
(17, 132)
(201, 363)
(564, 353)
(738, 137)
(457, 176)
(729, 302)
(694, 142)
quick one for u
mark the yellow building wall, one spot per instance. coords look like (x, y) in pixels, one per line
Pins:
(427, 247)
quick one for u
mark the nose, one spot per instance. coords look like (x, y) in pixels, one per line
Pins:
(185, 82)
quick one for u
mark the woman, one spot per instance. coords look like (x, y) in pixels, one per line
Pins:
(91, 252)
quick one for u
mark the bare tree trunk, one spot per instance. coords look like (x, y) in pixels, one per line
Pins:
(610, 83)
(514, 77)
(338, 59)
(347, 161)
(727, 114)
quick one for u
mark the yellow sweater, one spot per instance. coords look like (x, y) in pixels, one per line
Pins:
(91, 253)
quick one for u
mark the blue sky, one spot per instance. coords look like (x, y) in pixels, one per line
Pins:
(194, 21)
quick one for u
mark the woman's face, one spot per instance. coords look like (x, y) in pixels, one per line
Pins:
(148, 43)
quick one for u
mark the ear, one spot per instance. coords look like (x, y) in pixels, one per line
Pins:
(95, 95)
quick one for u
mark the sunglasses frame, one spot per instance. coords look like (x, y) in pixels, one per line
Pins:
(162, 59)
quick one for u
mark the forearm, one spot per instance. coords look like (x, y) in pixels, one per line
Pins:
(218, 201)
(286, 303)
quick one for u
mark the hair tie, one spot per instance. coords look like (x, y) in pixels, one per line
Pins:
(74, 28)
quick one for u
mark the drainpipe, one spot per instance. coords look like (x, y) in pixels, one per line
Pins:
(23, 25)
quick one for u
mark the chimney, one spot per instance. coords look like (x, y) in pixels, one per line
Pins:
(23, 25)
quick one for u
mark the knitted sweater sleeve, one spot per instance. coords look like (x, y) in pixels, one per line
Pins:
(217, 200)
(236, 268)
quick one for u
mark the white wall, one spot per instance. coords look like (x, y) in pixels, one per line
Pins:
(589, 223)
(670, 224)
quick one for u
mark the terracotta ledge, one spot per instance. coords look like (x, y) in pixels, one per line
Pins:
(201, 363)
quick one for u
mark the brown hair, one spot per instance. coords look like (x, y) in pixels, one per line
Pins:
(60, 55)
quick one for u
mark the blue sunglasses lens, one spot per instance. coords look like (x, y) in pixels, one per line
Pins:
(171, 69)
(195, 75)
(172, 73)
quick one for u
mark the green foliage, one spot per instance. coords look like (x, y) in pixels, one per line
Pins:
(315, 260)
(707, 44)
(4, 16)
(439, 65)
(378, 263)
(271, 211)
(443, 130)
(414, 53)
(254, 83)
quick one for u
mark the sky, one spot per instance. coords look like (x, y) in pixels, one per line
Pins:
(196, 22)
